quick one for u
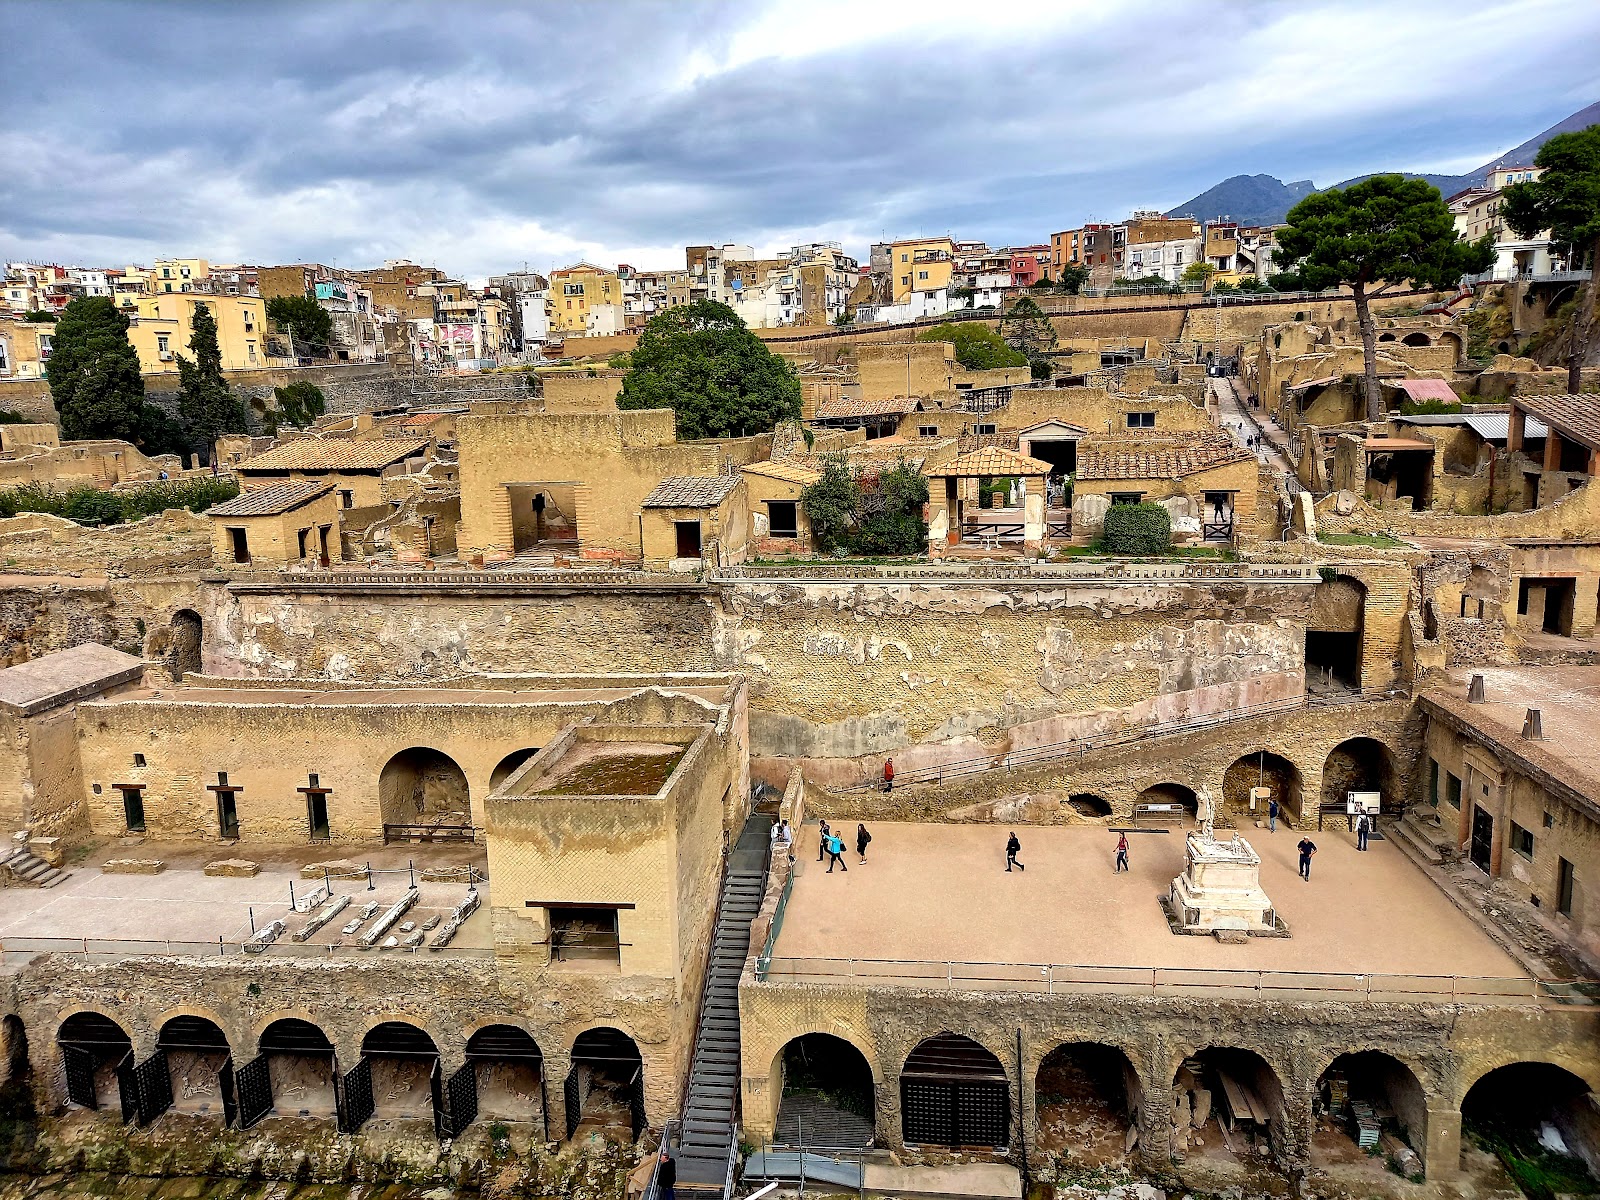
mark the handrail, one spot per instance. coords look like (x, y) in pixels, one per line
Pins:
(1065, 979)
(1076, 747)
(776, 925)
(93, 949)
(651, 1189)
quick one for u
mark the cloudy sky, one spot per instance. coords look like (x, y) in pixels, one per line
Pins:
(484, 136)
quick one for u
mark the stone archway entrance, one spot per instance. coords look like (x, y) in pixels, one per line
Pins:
(826, 1094)
(954, 1093)
(1262, 769)
(423, 796)
(1086, 1101)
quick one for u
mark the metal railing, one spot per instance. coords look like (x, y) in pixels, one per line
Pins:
(1075, 570)
(1076, 748)
(1068, 979)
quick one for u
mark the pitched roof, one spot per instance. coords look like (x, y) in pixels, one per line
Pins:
(64, 676)
(846, 406)
(991, 461)
(1429, 389)
(789, 472)
(269, 501)
(1574, 416)
(335, 454)
(1054, 424)
(691, 491)
(1127, 459)
(1496, 427)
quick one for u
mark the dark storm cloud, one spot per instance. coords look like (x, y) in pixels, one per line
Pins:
(481, 135)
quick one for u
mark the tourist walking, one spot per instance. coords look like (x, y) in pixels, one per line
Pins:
(1013, 848)
(1272, 815)
(862, 838)
(666, 1176)
(888, 774)
(1307, 848)
(822, 844)
(835, 853)
(1363, 827)
(1122, 853)
(780, 833)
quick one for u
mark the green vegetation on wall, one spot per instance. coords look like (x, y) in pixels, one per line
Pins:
(90, 505)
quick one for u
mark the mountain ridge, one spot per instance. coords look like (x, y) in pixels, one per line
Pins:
(1266, 199)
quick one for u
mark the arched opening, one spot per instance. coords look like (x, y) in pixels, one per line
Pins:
(1086, 1100)
(405, 1071)
(605, 1089)
(1538, 1121)
(98, 1060)
(1086, 804)
(954, 1093)
(199, 1065)
(187, 636)
(1503, 348)
(1417, 339)
(1260, 770)
(422, 794)
(1334, 634)
(1363, 1099)
(298, 1070)
(1223, 1090)
(1167, 798)
(1359, 764)
(508, 1072)
(15, 1042)
(1386, 337)
(508, 766)
(825, 1094)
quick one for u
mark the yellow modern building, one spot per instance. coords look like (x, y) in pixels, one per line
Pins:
(578, 290)
(178, 275)
(163, 323)
(921, 265)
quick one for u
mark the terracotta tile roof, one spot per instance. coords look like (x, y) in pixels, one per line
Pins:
(691, 491)
(788, 470)
(1575, 416)
(416, 420)
(1127, 458)
(334, 454)
(991, 461)
(1429, 389)
(846, 406)
(271, 500)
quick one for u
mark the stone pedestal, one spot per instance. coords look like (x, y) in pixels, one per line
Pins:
(1220, 888)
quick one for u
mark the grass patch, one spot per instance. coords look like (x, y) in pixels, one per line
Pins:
(1541, 1174)
(1380, 540)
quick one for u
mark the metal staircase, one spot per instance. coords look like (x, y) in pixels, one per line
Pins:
(707, 1139)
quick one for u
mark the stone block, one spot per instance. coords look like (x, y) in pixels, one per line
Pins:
(133, 866)
(447, 875)
(49, 849)
(233, 868)
(337, 869)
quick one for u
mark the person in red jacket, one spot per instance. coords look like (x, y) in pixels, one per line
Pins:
(888, 774)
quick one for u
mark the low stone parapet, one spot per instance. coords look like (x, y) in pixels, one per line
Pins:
(133, 866)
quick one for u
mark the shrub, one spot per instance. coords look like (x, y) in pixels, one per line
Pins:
(1137, 529)
(92, 506)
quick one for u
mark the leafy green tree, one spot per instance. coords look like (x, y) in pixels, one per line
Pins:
(94, 372)
(1377, 234)
(867, 513)
(1025, 328)
(38, 316)
(299, 404)
(1198, 272)
(1286, 281)
(1073, 277)
(206, 406)
(1566, 201)
(978, 346)
(1043, 284)
(303, 320)
(700, 361)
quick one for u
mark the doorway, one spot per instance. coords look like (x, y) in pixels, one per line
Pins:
(227, 816)
(1482, 838)
(133, 809)
(688, 538)
(317, 816)
(241, 545)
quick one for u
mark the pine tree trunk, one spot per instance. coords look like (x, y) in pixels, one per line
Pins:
(1583, 324)
(1369, 353)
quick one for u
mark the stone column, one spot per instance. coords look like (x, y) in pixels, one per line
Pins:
(556, 1065)
(1586, 593)
(1441, 1149)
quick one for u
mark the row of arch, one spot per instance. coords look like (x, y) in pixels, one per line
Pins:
(1355, 764)
(399, 1074)
(1089, 1097)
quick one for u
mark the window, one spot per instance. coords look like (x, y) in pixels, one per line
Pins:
(922, 274)
(1433, 782)
(250, 350)
(303, 535)
(1564, 887)
(1452, 790)
(161, 342)
(1177, 258)
(1522, 840)
(784, 518)
(986, 427)
(1141, 420)
(347, 498)
(1127, 497)
(138, 760)
(927, 431)
(584, 935)
(1549, 821)
(905, 258)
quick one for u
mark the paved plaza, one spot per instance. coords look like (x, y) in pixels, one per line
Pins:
(941, 892)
